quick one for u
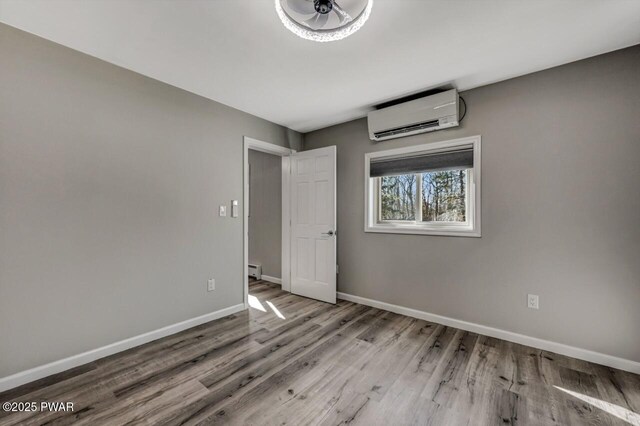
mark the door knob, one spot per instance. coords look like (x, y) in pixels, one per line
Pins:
(330, 233)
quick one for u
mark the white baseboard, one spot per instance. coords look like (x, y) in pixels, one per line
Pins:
(583, 354)
(42, 371)
(272, 279)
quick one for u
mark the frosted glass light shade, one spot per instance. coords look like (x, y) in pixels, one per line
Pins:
(323, 35)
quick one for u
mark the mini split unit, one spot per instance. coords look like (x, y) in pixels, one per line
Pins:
(422, 115)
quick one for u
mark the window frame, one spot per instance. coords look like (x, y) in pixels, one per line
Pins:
(470, 228)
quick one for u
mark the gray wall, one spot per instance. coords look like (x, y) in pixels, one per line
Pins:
(109, 189)
(560, 211)
(265, 214)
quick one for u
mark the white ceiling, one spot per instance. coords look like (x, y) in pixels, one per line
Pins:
(237, 52)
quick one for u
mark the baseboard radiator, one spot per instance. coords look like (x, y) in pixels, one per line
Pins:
(255, 271)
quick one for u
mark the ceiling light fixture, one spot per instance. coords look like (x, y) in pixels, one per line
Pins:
(323, 20)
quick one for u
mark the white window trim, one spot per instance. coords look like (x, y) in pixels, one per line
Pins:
(468, 229)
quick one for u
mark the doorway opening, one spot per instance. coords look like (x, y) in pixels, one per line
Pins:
(266, 213)
(307, 232)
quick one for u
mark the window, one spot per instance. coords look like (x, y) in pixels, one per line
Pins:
(428, 189)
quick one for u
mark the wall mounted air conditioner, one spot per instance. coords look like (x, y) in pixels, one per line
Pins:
(427, 114)
(255, 271)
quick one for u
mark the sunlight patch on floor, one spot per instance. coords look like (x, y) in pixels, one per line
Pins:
(275, 310)
(255, 303)
(613, 409)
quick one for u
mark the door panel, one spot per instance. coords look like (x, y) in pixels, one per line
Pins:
(313, 224)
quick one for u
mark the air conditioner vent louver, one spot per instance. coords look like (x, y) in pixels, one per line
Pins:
(406, 129)
(420, 115)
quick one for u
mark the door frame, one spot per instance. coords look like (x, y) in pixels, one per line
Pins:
(269, 148)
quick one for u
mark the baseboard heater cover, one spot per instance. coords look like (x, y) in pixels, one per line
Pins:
(255, 271)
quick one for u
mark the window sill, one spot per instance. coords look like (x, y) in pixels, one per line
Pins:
(449, 231)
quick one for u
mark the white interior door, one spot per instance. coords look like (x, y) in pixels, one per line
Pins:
(313, 224)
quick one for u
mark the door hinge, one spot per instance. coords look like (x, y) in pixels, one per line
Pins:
(337, 269)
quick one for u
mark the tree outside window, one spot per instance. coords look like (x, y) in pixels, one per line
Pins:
(439, 196)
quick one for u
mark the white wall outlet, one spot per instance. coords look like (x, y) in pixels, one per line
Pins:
(211, 284)
(532, 301)
(234, 208)
(223, 211)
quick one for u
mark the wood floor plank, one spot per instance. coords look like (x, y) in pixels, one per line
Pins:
(247, 376)
(146, 405)
(29, 388)
(297, 361)
(452, 373)
(618, 387)
(267, 395)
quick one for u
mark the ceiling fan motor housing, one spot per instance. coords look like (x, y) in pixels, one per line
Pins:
(323, 6)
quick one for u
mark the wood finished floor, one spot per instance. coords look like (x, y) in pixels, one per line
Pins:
(330, 365)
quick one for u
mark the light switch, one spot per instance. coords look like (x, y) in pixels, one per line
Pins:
(234, 208)
(223, 211)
